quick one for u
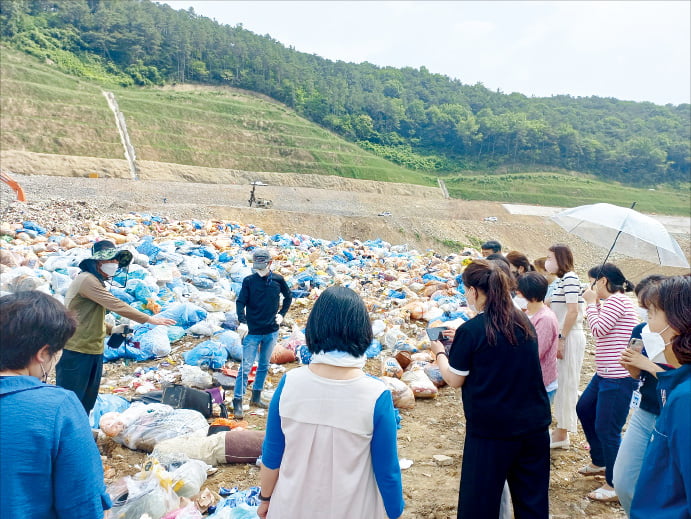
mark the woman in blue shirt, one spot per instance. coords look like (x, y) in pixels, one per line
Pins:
(330, 446)
(50, 466)
(663, 490)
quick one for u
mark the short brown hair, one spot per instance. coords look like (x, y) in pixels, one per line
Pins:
(564, 257)
(518, 259)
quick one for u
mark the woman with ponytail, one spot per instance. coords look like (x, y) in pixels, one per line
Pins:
(664, 484)
(604, 405)
(494, 358)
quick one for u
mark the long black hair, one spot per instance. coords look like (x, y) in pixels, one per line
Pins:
(501, 316)
(616, 281)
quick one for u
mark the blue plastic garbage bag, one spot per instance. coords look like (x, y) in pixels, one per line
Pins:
(122, 294)
(432, 277)
(237, 498)
(232, 343)
(211, 354)
(231, 321)
(128, 350)
(33, 226)
(459, 282)
(147, 247)
(374, 349)
(202, 282)
(153, 340)
(106, 403)
(224, 257)
(184, 314)
(394, 294)
(126, 223)
(175, 333)
(139, 290)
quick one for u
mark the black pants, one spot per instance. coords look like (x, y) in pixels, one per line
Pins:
(489, 462)
(81, 373)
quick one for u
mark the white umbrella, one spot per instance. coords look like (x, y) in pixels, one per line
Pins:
(624, 230)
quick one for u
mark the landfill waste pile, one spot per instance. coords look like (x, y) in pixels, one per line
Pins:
(191, 271)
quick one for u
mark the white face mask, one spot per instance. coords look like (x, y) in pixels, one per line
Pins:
(520, 302)
(262, 272)
(642, 314)
(551, 266)
(653, 342)
(109, 269)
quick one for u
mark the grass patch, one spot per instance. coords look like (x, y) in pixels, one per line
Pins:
(561, 190)
(48, 111)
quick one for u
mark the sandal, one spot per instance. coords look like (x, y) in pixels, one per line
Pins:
(589, 470)
(603, 495)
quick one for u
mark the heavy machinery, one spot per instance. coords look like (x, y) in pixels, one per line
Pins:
(7, 179)
(263, 203)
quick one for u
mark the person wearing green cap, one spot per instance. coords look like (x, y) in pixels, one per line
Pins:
(81, 365)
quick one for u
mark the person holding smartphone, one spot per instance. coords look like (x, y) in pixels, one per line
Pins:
(494, 359)
(644, 366)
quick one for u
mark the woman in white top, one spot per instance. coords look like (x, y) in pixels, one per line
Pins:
(330, 446)
(568, 305)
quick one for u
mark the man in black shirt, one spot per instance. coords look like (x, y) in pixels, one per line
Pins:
(259, 315)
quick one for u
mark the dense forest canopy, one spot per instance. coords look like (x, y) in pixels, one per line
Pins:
(413, 117)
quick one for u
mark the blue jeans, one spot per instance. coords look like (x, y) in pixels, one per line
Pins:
(602, 410)
(255, 347)
(631, 453)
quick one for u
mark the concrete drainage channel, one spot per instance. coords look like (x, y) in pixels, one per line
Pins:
(124, 136)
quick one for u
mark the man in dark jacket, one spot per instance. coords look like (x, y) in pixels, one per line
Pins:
(259, 316)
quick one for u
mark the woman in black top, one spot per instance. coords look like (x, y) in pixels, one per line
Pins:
(494, 358)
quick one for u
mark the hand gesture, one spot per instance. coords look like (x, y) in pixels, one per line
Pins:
(590, 296)
(165, 321)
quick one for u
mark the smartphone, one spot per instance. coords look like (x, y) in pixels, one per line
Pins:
(434, 334)
(636, 345)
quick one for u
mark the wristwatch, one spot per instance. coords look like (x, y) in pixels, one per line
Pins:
(262, 498)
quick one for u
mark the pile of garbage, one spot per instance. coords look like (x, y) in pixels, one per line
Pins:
(192, 272)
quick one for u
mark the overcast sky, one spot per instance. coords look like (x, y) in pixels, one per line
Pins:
(633, 50)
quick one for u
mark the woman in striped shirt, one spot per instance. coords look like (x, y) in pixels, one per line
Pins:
(568, 305)
(604, 405)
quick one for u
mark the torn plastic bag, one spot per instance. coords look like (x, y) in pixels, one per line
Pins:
(149, 492)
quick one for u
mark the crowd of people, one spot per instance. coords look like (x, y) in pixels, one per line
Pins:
(331, 440)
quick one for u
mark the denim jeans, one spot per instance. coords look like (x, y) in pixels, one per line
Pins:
(630, 457)
(602, 410)
(257, 347)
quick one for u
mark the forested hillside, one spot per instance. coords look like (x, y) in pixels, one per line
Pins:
(420, 120)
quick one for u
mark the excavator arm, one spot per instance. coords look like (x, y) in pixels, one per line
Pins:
(14, 185)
